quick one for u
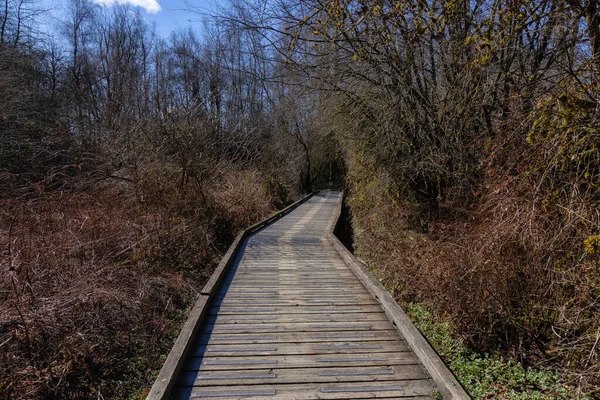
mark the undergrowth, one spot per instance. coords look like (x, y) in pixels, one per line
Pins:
(511, 258)
(96, 282)
(488, 376)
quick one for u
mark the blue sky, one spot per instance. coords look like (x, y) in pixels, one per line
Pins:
(168, 15)
(174, 14)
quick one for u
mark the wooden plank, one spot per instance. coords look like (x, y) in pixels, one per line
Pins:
(289, 292)
(294, 271)
(319, 374)
(312, 309)
(299, 327)
(409, 389)
(292, 284)
(293, 296)
(336, 292)
(297, 303)
(296, 318)
(301, 361)
(287, 275)
(273, 349)
(291, 280)
(300, 297)
(294, 337)
(297, 262)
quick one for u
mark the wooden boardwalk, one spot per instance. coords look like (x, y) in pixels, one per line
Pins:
(291, 320)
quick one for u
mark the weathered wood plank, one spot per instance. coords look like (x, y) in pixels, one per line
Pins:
(299, 327)
(296, 302)
(299, 298)
(290, 285)
(301, 361)
(301, 337)
(296, 318)
(346, 391)
(317, 374)
(292, 296)
(311, 309)
(273, 349)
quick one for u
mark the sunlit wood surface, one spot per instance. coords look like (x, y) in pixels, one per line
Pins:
(292, 321)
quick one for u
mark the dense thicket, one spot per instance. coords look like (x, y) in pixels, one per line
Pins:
(470, 131)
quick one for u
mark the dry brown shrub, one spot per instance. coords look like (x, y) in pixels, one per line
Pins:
(511, 275)
(244, 197)
(95, 283)
(510, 251)
(76, 309)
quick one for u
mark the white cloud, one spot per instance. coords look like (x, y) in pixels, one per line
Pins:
(151, 6)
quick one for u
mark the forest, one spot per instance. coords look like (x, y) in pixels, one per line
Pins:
(465, 135)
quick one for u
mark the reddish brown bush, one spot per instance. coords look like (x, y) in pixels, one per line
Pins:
(511, 273)
(95, 283)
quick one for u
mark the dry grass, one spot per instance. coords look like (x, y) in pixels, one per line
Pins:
(508, 274)
(508, 249)
(95, 282)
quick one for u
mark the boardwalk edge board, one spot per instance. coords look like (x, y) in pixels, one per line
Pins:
(161, 390)
(445, 381)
